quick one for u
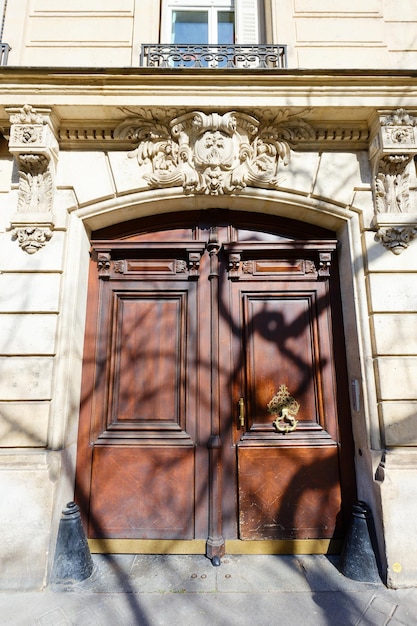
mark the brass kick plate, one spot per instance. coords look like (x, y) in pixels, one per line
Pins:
(198, 546)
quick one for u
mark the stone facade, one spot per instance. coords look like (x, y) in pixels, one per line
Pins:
(85, 148)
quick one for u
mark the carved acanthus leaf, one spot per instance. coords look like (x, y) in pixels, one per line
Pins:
(392, 149)
(392, 184)
(400, 117)
(27, 115)
(35, 192)
(213, 153)
(33, 142)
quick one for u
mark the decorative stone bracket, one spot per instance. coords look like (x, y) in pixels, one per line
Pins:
(392, 149)
(214, 153)
(34, 145)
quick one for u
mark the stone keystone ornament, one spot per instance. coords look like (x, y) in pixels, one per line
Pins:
(213, 153)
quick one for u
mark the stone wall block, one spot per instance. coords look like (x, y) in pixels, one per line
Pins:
(6, 169)
(395, 334)
(363, 56)
(65, 201)
(380, 259)
(397, 377)
(338, 175)
(345, 6)
(300, 173)
(393, 292)
(29, 293)
(27, 334)
(363, 201)
(24, 424)
(126, 174)
(25, 521)
(26, 378)
(88, 173)
(400, 423)
(47, 259)
(399, 486)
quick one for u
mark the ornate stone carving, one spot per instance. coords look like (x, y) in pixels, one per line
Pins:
(396, 238)
(32, 238)
(392, 184)
(214, 153)
(33, 143)
(391, 151)
(35, 184)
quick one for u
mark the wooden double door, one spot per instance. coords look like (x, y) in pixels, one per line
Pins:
(214, 407)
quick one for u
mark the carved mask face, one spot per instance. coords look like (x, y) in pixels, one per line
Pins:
(214, 148)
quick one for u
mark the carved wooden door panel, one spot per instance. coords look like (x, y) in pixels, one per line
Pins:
(192, 333)
(138, 429)
(289, 459)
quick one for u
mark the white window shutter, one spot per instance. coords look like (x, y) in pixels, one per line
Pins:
(247, 21)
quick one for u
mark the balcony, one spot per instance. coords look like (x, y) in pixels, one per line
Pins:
(4, 53)
(221, 56)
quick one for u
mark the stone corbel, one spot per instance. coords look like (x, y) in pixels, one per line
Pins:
(392, 149)
(35, 147)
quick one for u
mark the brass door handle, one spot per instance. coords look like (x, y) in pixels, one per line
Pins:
(241, 412)
(285, 423)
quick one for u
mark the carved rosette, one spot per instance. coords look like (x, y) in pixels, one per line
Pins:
(32, 141)
(393, 146)
(213, 153)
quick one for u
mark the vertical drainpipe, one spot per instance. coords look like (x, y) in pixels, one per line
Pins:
(3, 19)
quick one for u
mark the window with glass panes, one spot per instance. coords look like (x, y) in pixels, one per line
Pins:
(199, 22)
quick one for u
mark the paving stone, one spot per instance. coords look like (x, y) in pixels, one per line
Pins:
(149, 590)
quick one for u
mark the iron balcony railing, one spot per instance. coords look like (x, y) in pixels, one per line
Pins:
(4, 53)
(262, 56)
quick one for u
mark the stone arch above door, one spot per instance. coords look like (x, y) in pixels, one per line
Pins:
(288, 204)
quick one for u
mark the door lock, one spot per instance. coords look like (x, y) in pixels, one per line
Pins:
(241, 412)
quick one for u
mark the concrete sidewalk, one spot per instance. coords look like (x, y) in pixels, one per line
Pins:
(151, 590)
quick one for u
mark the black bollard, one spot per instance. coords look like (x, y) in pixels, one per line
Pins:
(358, 560)
(72, 562)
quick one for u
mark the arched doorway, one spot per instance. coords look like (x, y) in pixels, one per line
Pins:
(215, 414)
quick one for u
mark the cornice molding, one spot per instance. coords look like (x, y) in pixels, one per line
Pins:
(85, 93)
(99, 134)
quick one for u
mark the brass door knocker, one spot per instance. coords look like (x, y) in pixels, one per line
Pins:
(285, 407)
